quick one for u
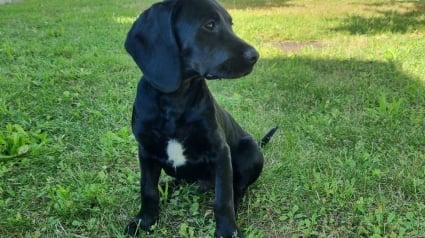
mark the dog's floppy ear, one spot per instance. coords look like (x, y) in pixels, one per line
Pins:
(152, 45)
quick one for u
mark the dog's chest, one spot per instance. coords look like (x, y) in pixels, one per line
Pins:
(175, 153)
(188, 144)
(187, 157)
(177, 130)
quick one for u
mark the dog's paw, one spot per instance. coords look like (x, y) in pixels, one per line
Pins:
(136, 224)
(229, 234)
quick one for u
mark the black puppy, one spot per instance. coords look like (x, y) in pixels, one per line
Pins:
(176, 121)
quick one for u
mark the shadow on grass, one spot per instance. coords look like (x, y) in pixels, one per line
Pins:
(372, 99)
(354, 109)
(400, 19)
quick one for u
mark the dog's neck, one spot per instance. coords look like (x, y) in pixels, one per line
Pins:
(189, 84)
(191, 92)
(190, 99)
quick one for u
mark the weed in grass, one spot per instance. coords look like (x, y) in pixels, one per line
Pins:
(386, 110)
(16, 142)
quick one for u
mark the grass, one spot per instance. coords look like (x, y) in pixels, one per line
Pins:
(348, 161)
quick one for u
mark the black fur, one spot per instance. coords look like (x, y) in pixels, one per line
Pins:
(178, 44)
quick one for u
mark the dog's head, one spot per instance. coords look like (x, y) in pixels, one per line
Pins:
(176, 39)
(208, 44)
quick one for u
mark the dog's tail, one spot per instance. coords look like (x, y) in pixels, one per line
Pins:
(263, 142)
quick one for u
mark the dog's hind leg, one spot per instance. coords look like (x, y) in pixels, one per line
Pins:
(247, 166)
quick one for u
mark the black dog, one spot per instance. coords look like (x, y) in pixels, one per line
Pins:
(176, 121)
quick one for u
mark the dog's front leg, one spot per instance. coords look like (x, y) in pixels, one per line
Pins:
(224, 211)
(149, 210)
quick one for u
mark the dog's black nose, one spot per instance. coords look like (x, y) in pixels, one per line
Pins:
(251, 55)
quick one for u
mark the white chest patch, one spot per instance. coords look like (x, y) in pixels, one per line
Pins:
(175, 153)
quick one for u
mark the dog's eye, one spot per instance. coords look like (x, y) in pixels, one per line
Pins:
(210, 25)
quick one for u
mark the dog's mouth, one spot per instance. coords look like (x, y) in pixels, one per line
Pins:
(210, 76)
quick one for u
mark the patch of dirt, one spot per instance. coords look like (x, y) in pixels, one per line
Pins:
(297, 46)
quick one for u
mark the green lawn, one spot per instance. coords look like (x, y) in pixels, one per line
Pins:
(344, 80)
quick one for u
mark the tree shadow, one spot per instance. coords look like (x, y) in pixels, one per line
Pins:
(370, 98)
(399, 19)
